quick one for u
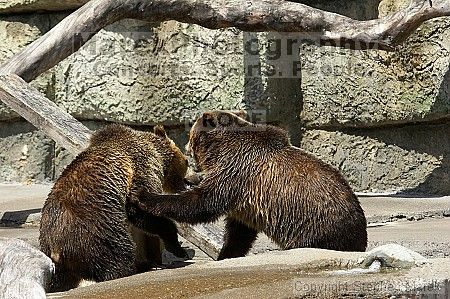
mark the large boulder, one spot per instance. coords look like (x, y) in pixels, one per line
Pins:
(371, 88)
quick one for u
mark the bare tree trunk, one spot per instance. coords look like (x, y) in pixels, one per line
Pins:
(257, 15)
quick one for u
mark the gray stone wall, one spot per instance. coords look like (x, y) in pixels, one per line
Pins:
(141, 73)
(381, 118)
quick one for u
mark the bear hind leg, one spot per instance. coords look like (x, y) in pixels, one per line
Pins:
(63, 280)
(238, 239)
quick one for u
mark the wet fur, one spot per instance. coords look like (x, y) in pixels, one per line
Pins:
(262, 183)
(85, 226)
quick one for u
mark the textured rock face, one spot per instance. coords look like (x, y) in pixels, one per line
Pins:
(134, 72)
(26, 154)
(345, 88)
(16, 32)
(412, 158)
(385, 96)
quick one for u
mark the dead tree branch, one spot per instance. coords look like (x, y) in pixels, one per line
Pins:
(44, 114)
(256, 15)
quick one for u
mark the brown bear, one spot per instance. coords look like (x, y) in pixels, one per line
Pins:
(84, 227)
(262, 183)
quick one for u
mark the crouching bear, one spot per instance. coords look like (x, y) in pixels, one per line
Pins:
(84, 226)
(262, 183)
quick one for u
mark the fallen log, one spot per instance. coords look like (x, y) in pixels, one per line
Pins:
(207, 237)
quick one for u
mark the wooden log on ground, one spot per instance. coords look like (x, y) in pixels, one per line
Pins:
(207, 237)
(257, 15)
(74, 136)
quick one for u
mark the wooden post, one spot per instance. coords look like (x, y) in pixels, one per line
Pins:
(74, 136)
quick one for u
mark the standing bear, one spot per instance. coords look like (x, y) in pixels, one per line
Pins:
(84, 226)
(262, 183)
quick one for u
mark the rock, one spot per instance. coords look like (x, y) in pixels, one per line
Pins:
(412, 159)
(394, 256)
(285, 274)
(347, 88)
(141, 73)
(16, 32)
(26, 154)
(273, 74)
(302, 258)
(388, 7)
(360, 10)
(25, 271)
(22, 6)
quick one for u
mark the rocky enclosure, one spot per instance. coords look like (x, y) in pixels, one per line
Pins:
(382, 118)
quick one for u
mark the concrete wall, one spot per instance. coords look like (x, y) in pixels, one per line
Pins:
(381, 118)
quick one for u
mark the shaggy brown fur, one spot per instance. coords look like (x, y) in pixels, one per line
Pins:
(84, 226)
(264, 184)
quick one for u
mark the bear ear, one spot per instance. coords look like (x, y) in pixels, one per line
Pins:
(209, 120)
(240, 113)
(159, 131)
